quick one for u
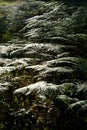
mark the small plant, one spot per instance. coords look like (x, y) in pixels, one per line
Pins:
(82, 62)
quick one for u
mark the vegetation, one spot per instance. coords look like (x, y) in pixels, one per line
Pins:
(43, 65)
